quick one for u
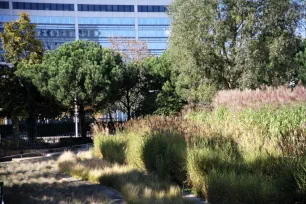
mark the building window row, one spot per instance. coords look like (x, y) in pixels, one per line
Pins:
(106, 8)
(147, 8)
(4, 5)
(43, 6)
(81, 7)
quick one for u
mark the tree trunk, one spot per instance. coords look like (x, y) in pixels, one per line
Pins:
(110, 116)
(129, 112)
(82, 121)
(128, 105)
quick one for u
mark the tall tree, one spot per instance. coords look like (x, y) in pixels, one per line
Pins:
(79, 69)
(233, 43)
(19, 97)
(19, 41)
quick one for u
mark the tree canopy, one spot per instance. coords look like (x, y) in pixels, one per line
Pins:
(78, 69)
(19, 98)
(231, 44)
(19, 41)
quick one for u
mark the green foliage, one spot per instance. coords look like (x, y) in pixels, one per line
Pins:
(169, 102)
(270, 121)
(230, 187)
(19, 41)
(82, 70)
(164, 154)
(238, 44)
(113, 149)
(223, 154)
(300, 59)
(159, 95)
(19, 97)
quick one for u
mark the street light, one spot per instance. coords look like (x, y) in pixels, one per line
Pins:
(76, 116)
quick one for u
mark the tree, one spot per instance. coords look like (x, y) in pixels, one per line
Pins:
(79, 69)
(132, 85)
(300, 58)
(130, 49)
(19, 97)
(159, 94)
(231, 44)
(19, 41)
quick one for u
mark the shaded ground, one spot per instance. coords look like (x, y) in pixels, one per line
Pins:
(39, 182)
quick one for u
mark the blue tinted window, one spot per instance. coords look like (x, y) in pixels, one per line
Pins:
(27, 6)
(149, 8)
(4, 5)
(4, 18)
(121, 8)
(47, 7)
(66, 7)
(156, 8)
(91, 8)
(53, 7)
(109, 8)
(97, 8)
(60, 7)
(85, 7)
(105, 21)
(34, 6)
(41, 6)
(20, 5)
(131, 8)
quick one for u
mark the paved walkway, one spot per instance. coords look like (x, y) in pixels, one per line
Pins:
(112, 195)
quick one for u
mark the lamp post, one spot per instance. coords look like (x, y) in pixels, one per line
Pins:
(76, 117)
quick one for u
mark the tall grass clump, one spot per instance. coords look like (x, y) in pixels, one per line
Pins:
(260, 97)
(135, 185)
(249, 149)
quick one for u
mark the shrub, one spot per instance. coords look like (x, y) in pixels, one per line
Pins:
(112, 148)
(231, 187)
(165, 154)
(226, 156)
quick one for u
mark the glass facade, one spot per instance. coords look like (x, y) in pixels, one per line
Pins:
(106, 8)
(43, 6)
(147, 8)
(155, 32)
(100, 29)
(55, 30)
(4, 5)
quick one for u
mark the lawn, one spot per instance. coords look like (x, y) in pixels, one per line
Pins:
(40, 182)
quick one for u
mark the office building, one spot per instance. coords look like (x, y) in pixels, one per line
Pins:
(96, 20)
